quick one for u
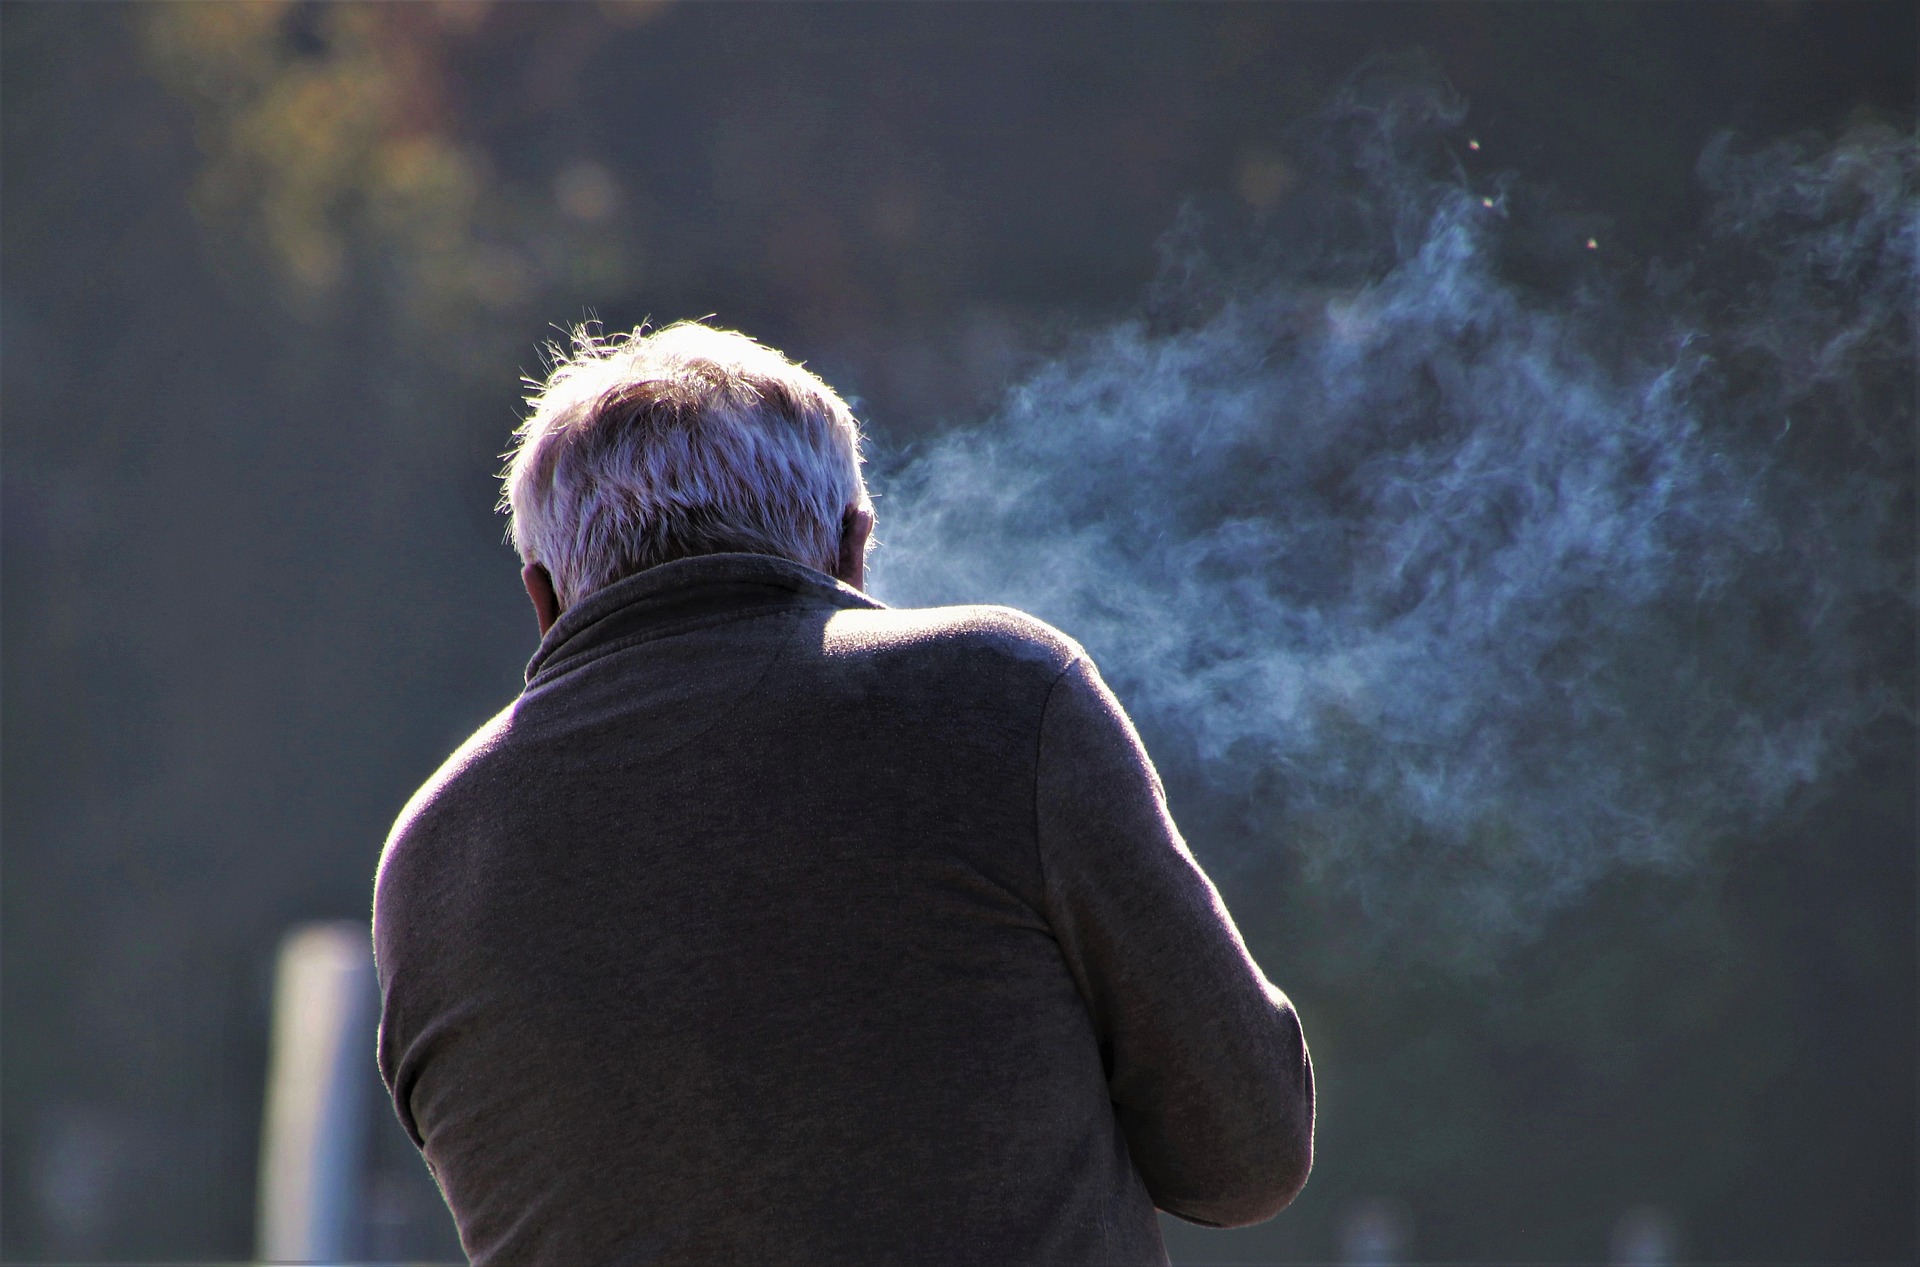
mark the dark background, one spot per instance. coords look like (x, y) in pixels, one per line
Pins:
(271, 275)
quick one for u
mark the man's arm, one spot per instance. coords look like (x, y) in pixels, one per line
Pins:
(1207, 1067)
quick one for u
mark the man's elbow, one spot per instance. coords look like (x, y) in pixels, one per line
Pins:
(1271, 1160)
(1246, 1156)
(1265, 1182)
(1286, 1176)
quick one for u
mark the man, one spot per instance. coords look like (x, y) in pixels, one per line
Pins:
(773, 925)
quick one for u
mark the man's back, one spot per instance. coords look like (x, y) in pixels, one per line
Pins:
(771, 925)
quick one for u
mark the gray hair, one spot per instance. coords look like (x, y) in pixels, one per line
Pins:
(644, 448)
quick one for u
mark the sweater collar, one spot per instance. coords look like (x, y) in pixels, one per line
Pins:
(691, 589)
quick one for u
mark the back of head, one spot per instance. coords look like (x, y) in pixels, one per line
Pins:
(645, 448)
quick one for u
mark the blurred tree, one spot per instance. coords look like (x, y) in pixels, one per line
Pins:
(332, 143)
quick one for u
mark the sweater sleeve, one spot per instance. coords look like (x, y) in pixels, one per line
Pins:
(1206, 1064)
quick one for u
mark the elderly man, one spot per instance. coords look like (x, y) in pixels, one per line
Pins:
(771, 924)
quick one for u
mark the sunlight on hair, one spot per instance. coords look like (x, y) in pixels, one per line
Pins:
(643, 448)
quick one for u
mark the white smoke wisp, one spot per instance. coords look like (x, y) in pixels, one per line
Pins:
(1483, 594)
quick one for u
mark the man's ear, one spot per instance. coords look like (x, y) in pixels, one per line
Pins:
(546, 600)
(855, 527)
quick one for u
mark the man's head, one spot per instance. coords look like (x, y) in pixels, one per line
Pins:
(645, 448)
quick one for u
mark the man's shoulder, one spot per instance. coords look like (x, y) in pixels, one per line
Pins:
(464, 776)
(980, 635)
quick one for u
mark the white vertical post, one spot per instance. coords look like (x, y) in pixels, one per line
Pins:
(312, 1140)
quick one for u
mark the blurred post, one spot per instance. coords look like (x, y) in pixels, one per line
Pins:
(324, 1009)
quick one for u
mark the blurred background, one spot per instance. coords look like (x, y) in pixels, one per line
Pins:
(273, 273)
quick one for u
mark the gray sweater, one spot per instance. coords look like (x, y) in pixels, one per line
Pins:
(772, 925)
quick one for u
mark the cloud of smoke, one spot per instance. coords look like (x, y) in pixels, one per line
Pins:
(1482, 577)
